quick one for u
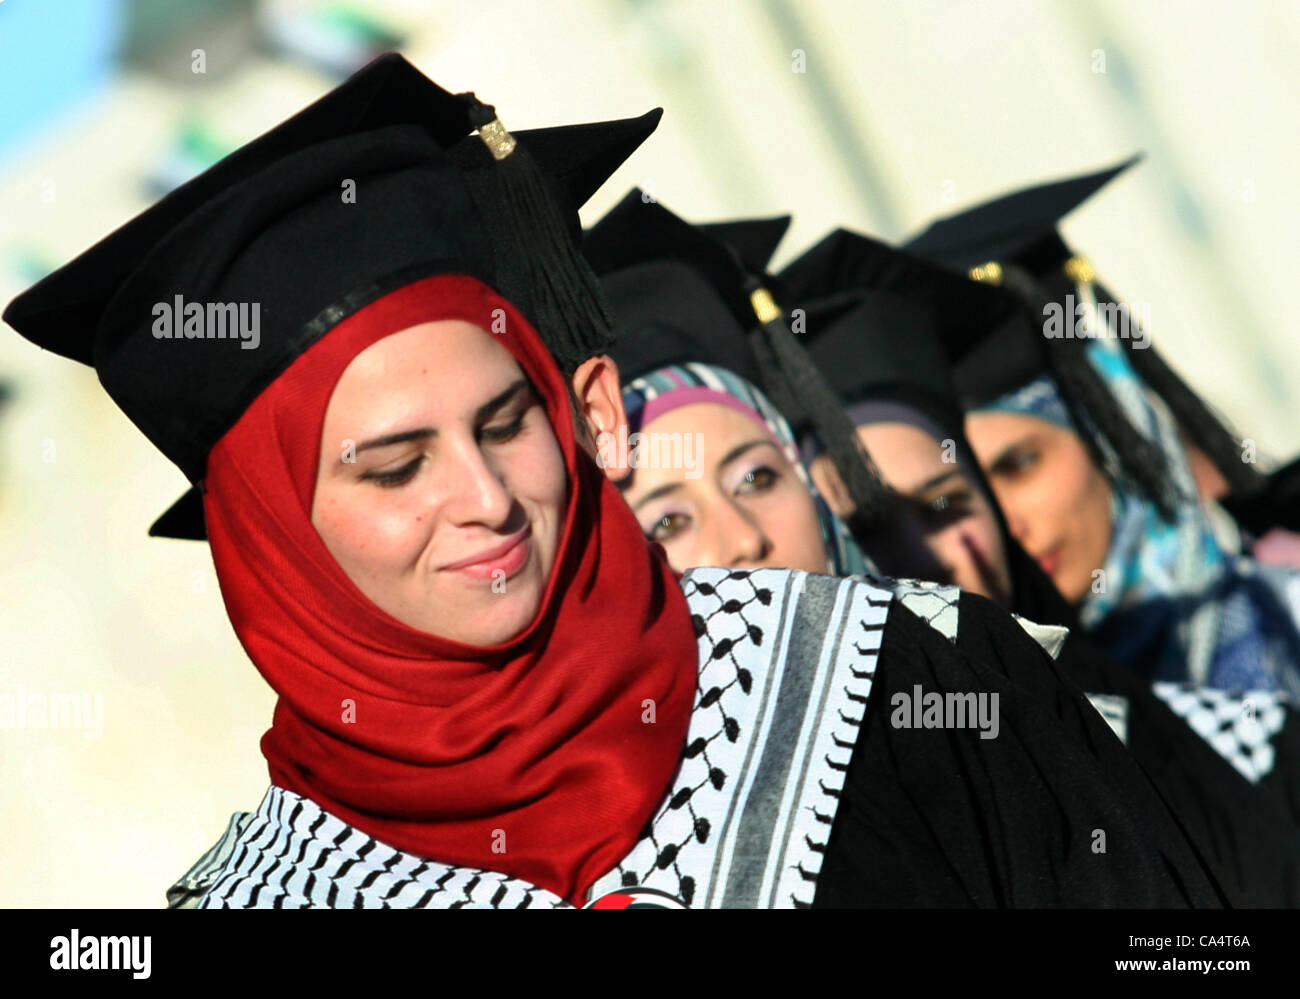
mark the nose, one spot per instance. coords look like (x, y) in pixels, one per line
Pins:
(473, 488)
(741, 540)
(1016, 522)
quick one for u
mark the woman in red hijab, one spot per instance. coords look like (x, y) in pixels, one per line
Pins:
(492, 691)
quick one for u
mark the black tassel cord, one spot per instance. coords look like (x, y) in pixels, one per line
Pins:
(802, 393)
(1203, 427)
(1095, 411)
(535, 245)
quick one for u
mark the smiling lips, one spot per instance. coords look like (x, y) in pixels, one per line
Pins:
(507, 558)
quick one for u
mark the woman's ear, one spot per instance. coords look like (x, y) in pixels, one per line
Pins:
(599, 398)
(826, 477)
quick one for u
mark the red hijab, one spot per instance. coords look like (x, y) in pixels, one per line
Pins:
(535, 758)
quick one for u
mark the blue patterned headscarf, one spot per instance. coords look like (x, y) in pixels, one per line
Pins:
(1173, 602)
(654, 394)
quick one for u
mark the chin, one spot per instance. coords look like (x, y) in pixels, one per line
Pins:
(499, 617)
(1073, 590)
(487, 633)
(975, 586)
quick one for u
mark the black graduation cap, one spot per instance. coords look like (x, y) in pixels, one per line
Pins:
(754, 240)
(270, 227)
(678, 291)
(879, 345)
(1013, 240)
(666, 313)
(1019, 227)
(1018, 232)
(883, 323)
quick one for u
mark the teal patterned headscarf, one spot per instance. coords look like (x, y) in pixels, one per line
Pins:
(654, 394)
(1173, 602)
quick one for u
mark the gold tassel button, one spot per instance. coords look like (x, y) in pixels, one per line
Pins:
(1079, 270)
(500, 143)
(764, 306)
(989, 273)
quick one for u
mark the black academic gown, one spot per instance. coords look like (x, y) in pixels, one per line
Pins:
(1251, 832)
(1052, 812)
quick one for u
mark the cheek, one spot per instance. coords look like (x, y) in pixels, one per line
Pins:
(1099, 515)
(551, 478)
(988, 538)
(1084, 501)
(790, 520)
(1085, 523)
(535, 474)
(1019, 497)
(960, 553)
(684, 553)
(372, 533)
(1048, 499)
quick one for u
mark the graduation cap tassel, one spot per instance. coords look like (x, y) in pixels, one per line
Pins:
(1201, 425)
(567, 302)
(1094, 408)
(800, 391)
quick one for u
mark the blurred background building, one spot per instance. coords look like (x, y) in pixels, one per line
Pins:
(874, 114)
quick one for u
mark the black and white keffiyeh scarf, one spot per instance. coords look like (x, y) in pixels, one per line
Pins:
(786, 661)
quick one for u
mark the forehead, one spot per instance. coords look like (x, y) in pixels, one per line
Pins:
(443, 364)
(713, 429)
(991, 430)
(905, 454)
(720, 428)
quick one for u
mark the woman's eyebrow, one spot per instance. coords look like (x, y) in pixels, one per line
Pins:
(654, 494)
(482, 413)
(400, 438)
(930, 483)
(1005, 454)
(730, 456)
(500, 399)
(740, 449)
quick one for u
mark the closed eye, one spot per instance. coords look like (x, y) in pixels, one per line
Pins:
(524, 400)
(499, 435)
(396, 477)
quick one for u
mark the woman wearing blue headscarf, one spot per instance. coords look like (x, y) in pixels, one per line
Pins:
(877, 324)
(1153, 583)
